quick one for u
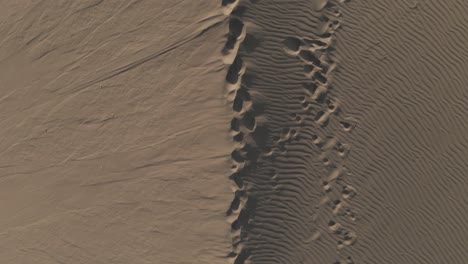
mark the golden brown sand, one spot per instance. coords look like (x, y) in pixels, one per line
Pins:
(114, 142)
(227, 131)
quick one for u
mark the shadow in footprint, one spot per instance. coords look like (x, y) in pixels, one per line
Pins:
(250, 43)
(232, 76)
(292, 44)
(227, 2)
(248, 120)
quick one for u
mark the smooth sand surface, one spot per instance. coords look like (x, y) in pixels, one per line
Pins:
(227, 131)
(114, 145)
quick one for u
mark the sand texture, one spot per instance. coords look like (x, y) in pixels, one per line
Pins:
(234, 131)
(114, 146)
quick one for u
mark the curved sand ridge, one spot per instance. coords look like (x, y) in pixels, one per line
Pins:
(403, 72)
(291, 199)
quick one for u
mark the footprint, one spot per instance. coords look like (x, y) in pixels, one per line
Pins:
(238, 137)
(282, 148)
(317, 44)
(340, 245)
(309, 71)
(236, 27)
(308, 57)
(236, 33)
(227, 2)
(292, 45)
(332, 105)
(235, 70)
(237, 179)
(315, 92)
(235, 225)
(320, 94)
(348, 124)
(229, 6)
(238, 156)
(236, 166)
(237, 104)
(321, 117)
(317, 140)
(328, 68)
(310, 88)
(235, 124)
(350, 214)
(285, 135)
(327, 187)
(332, 12)
(343, 149)
(235, 204)
(248, 120)
(306, 106)
(337, 206)
(334, 227)
(250, 43)
(348, 192)
(298, 119)
(243, 93)
(242, 96)
(328, 26)
(349, 238)
(320, 78)
(293, 133)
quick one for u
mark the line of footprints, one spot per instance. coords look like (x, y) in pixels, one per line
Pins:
(243, 124)
(318, 68)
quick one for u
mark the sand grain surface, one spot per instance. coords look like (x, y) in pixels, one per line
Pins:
(114, 142)
(223, 131)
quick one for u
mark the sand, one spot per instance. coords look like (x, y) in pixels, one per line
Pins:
(222, 131)
(114, 145)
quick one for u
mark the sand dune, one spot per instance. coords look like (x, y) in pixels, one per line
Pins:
(233, 131)
(114, 145)
(362, 164)
(290, 161)
(409, 155)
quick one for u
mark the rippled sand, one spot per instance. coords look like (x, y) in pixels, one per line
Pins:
(223, 131)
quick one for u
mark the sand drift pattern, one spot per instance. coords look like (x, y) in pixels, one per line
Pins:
(292, 202)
